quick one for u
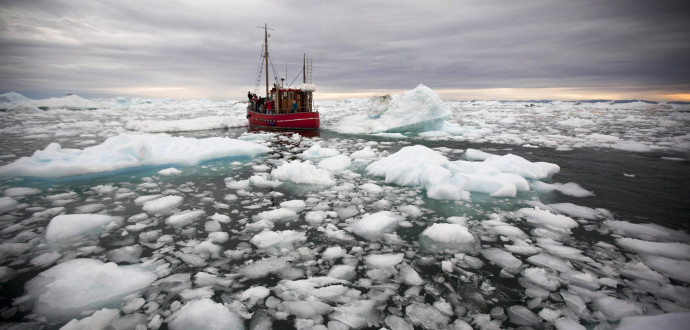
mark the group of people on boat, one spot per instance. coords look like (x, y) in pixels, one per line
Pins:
(267, 105)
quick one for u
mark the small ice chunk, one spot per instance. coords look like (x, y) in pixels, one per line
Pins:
(184, 218)
(343, 272)
(668, 250)
(67, 226)
(7, 204)
(127, 254)
(410, 276)
(448, 236)
(254, 294)
(674, 268)
(205, 314)
(317, 152)
(335, 163)
(575, 210)
(303, 172)
(286, 239)
(426, 316)
(161, 204)
(169, 171)
(307, 308)
(410, 211)
(521, 315)
(386, 260)
(371, 188)
(614, 309)
(219, 237)
(545, 260)
(547, 219)
(365, 153)
(373, 226)
(281, 214)
(101, 319)
(20, 191)
(296, 205)
(669, 321)
(222, 218)
(501, 258)
(333, 252)
(648, 231)
(76, 285)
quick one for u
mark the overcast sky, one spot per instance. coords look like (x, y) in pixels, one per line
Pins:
(506, 49)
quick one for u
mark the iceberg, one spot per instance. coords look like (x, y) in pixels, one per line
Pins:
(498, 176)
(416, 110)
(128, 151)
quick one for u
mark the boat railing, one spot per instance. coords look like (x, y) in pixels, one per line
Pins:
(252, 107)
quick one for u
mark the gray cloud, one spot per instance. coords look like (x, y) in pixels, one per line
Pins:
(213, 47)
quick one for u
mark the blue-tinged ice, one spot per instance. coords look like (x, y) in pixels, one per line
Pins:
(416, 110)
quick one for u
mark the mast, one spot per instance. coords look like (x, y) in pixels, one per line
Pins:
(266, 55)
(304, 67)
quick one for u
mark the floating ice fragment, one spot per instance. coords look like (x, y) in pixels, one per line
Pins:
(614, 309)
(205, 314)
(77, 285)
(450, 236)
(386, 260)
(521, 315)
(296, 205)
(286, 239)
(547, 219)
(161, 204)
(7, 204)
(101, 319)
(335, 163)
(648, 231)
(426, 316)
(20, 192)
(169, 171)
(365, 153)
(670, 321)
(184, 218)
(318, 152)
(501, 258)
(303, 172)
(668, 250)
(67, 226)
(373, 226)
(674, 268)
(281, 214)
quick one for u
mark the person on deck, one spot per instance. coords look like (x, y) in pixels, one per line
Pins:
(294, 106)
(249, 95)
(269, 107)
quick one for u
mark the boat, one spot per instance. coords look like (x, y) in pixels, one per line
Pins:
(284, 107)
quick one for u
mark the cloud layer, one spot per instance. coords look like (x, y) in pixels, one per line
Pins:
(211, 48)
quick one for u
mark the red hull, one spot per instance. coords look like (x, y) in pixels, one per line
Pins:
(299, 120)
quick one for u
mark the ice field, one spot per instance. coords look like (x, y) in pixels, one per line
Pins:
(403, 212)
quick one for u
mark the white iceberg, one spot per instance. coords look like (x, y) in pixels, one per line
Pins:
(127, 151)
(416, 110)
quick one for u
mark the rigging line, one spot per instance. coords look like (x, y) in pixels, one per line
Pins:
(293, 80)
(275, 73)
(261, 70)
